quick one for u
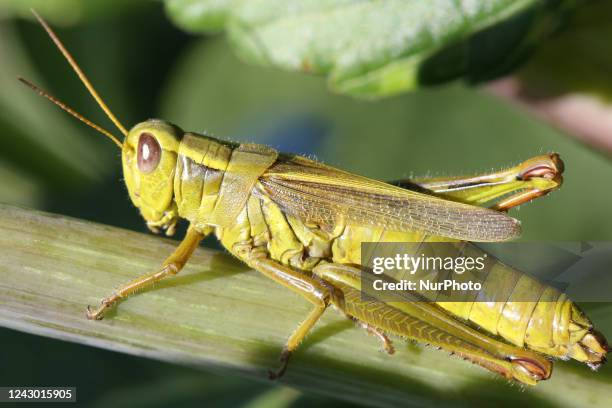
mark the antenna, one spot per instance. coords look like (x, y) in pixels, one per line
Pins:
(81, 76)
(72, 112)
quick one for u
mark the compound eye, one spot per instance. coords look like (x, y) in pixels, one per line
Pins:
(149, 152)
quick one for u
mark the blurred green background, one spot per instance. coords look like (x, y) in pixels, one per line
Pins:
(146, 67)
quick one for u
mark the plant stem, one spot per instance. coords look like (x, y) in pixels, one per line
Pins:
(218, 315)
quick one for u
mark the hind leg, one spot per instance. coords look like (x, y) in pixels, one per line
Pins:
(512, 187)
(413, 318)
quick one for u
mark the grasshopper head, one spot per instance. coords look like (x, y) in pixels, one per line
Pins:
(149, 151)
(149, 157)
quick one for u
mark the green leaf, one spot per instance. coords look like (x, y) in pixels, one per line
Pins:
(199, 16)
(376, 48)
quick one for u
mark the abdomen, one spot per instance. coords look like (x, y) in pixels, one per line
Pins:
(526, 312)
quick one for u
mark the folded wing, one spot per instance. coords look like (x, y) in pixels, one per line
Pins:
(323, 195)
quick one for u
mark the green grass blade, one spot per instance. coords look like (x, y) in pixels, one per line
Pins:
(220, 316)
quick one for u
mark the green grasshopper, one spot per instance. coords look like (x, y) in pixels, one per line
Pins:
(301, 223)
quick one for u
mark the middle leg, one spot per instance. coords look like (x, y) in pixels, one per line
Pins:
(303, 284)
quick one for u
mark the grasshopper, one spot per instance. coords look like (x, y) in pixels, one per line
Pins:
(301, 223)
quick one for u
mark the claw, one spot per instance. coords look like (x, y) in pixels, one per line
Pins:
(284, 360)
(97, 314)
